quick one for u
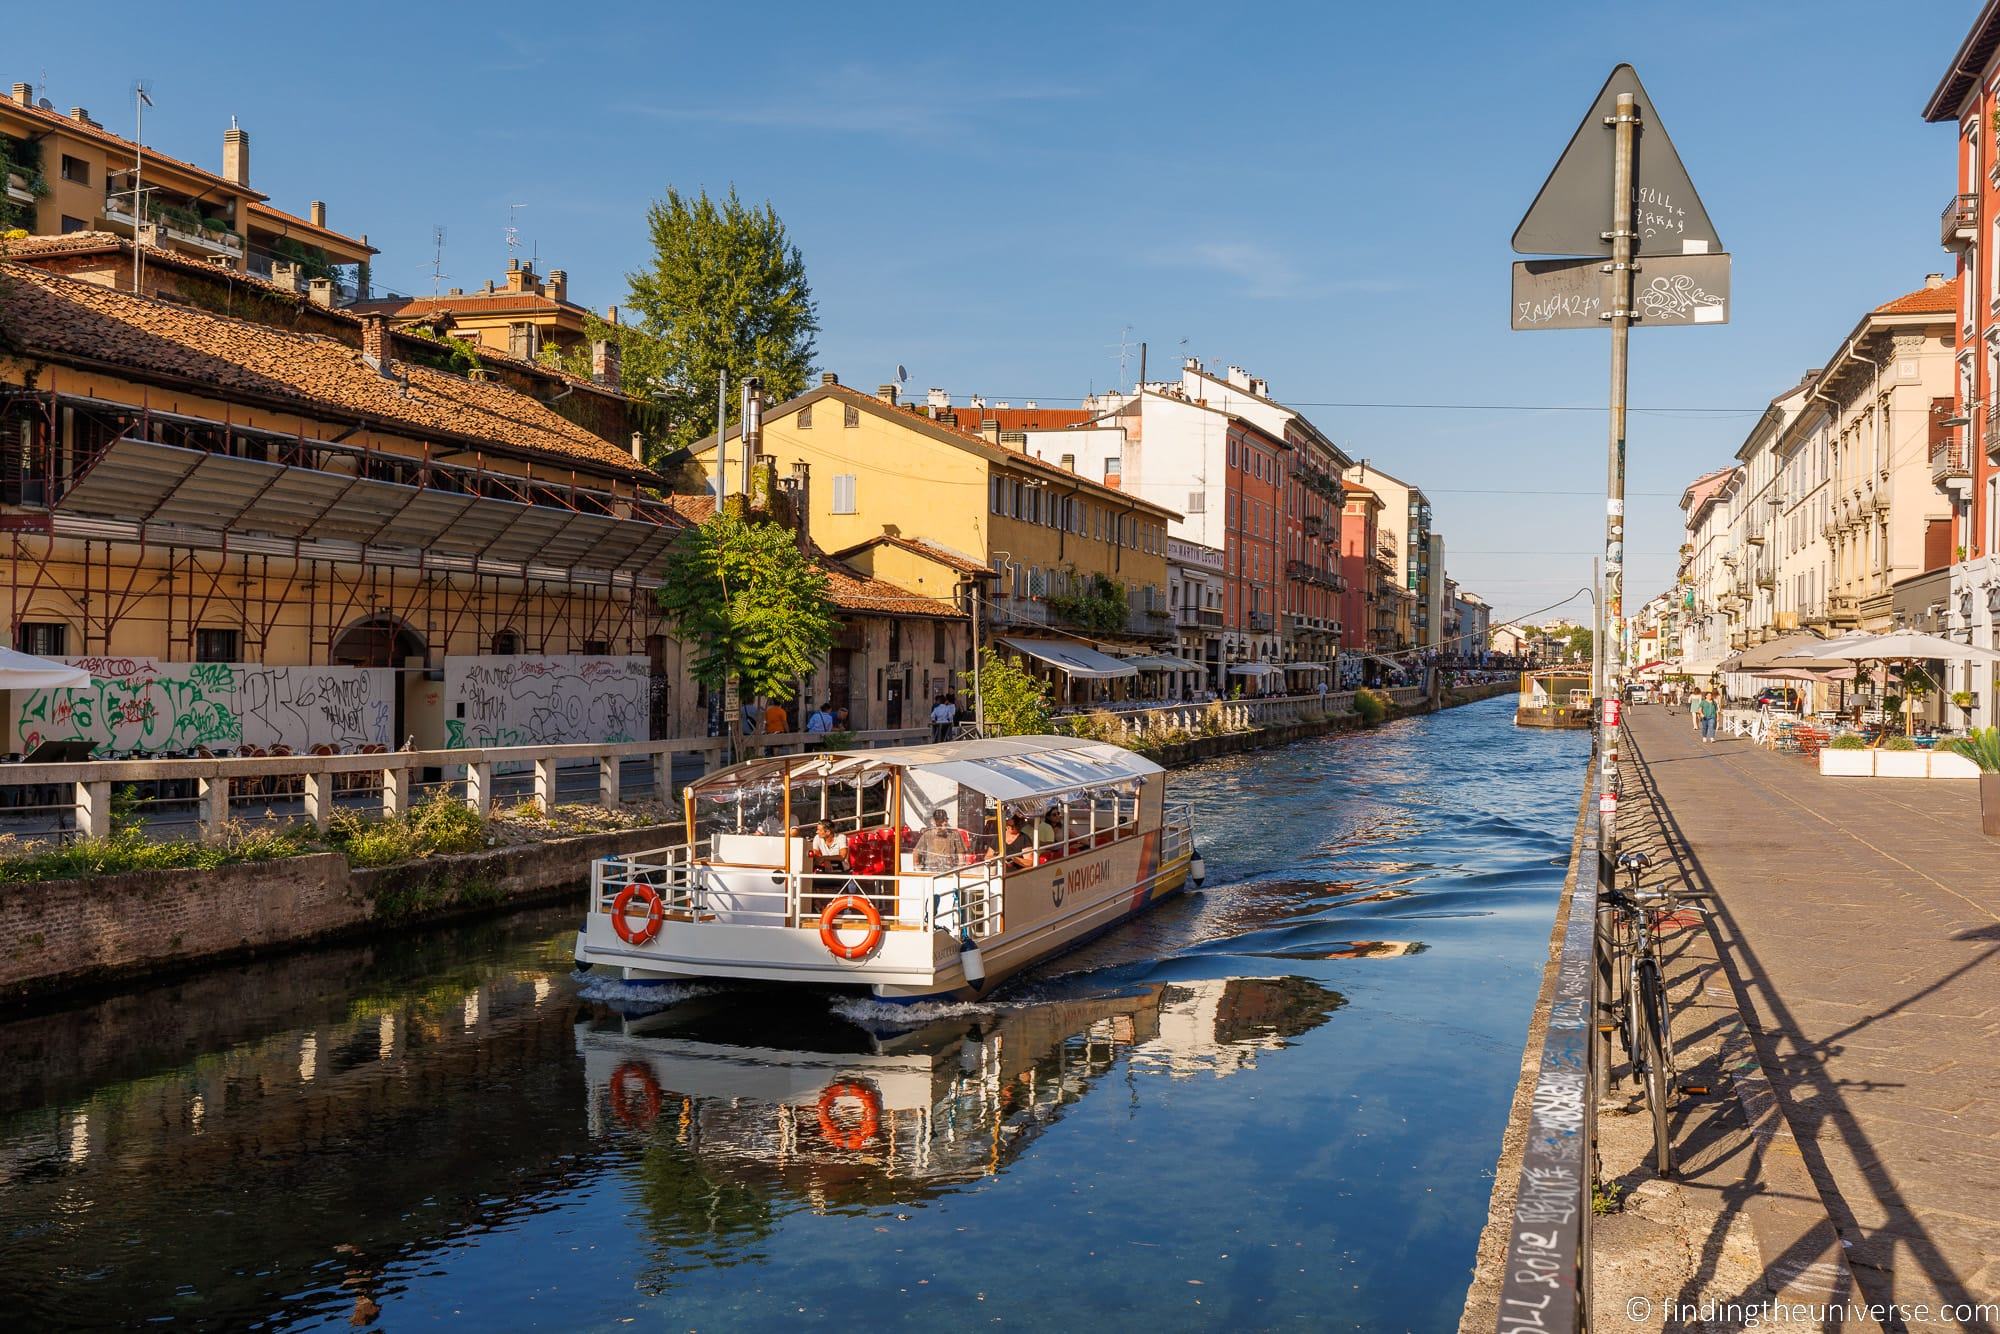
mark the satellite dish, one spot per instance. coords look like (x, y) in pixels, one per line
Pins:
(46, 105)
(902, 374)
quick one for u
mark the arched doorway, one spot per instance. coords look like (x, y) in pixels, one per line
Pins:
(382, 641)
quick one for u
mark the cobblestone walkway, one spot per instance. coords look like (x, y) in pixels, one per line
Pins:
(1858, 923)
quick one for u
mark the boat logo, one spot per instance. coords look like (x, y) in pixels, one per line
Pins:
(1058, 888)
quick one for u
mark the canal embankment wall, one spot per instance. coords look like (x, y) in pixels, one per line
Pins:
(59, 936)
(63, 935)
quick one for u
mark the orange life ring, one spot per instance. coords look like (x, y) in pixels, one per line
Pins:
(656, 913)
(871, 1115)
(830, 917)
(648, 1094)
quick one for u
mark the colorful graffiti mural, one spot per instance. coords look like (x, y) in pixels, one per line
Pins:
(144, 706)
(543, 701)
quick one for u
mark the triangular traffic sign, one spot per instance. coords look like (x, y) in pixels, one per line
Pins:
(1573, 211)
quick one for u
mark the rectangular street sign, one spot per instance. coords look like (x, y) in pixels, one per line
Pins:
(1575, 293)
(1572, 214)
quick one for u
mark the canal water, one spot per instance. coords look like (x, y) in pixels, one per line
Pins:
(1275, 1102)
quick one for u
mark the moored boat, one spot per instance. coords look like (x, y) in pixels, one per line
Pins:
(1554, 697)
(919, 871)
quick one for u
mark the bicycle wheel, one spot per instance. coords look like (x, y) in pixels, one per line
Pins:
(1651, 1007)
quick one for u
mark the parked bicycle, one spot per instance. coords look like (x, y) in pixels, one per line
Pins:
(1631, 922)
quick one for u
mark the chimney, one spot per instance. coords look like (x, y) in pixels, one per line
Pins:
(1933, 280)
(375, 342)
(514, 275)
(1069, 463)
(320, 292)
(887, 393)
(801, 489)
(607, 364)
(828, 377)
(24, 94)
(487, 290)
(991, 430)
(235, 154)
(80, 116)
(611, 314)
(937, 398)
(317, 212)
(558, 286)
(638, 449)
(284, 275)
(1260, 386)
(1239, 378)
(456, 291)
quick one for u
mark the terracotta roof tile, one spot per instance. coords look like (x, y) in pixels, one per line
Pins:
(465, 303)
(1013, 419)
(1939, 300)
(31, 248)
(102, 135)
(943, 556)
(60, 317)
(295, 220)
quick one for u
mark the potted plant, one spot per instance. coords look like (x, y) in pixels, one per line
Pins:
(1847, 757)
(1982, 747)
(1966, 701)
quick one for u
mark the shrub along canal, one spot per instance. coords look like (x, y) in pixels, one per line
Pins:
(1277, 1100)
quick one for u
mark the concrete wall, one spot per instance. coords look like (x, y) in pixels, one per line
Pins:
(63, 934)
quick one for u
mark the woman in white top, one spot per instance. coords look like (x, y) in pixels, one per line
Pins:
(829, 849)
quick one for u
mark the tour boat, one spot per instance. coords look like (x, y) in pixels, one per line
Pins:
(938, 893)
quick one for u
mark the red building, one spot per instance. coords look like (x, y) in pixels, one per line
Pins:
(1965, 447)
(1253, 556)
(1360, 534)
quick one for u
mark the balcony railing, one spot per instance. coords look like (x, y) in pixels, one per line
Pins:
(1992, 428)
(1950, 465)
(1960, 223)
(1259, 620)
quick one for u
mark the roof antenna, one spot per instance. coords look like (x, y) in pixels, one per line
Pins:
(438, 275)
(513, 230)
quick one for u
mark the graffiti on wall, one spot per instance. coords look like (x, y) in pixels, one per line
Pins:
(142, 705)
(561, 699)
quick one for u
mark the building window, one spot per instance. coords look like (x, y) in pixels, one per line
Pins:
(937, 642)
(806, 417)
(850, 416)
(843, 493)
(505, 644)
(1197, 502)
(75, 169)
(595, 648)
(217, 646)
(70, 224)
(47, 639)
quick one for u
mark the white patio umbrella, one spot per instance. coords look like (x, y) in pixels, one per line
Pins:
(24, 671)
(1903, 648)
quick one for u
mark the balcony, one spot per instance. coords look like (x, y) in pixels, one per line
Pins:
(1951, 466)
(1992, 429)
(1259, 620)
(1199, 618)
(17, 189)
(1959, 226)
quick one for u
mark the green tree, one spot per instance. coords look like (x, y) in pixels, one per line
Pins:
(1579, 640)
(749, 602)
(726, 290)
(1011, 702)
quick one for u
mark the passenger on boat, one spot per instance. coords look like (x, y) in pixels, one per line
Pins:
(940, 847)
(829, 849)
(1015, 844)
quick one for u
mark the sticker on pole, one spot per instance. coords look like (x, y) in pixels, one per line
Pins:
(1572, 214)
(1669, 291)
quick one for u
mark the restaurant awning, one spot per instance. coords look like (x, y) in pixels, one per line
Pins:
(1086, 664)
(1157, 662)
(1251, 669)
(24, 671)
(1307, 667)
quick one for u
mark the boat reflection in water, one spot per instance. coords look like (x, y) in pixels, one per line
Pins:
(853, 1118)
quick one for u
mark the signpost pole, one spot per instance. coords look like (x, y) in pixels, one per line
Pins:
(1625, 125)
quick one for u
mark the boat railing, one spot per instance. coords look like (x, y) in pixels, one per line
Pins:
(1176, 829)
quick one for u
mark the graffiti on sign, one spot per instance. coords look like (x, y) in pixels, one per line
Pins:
(563, 699)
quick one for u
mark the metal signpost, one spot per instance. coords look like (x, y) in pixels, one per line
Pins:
(1620, 197)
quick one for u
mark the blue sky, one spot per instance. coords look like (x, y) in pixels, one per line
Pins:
(991, 195)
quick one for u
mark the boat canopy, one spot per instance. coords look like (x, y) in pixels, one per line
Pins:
(1003, 768)
(1086, 664)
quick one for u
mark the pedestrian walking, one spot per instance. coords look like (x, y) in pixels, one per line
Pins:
(943, 715)
(1708, 711)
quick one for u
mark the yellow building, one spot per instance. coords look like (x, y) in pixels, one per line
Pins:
(968, 505)
(516, 317)
(67, 173)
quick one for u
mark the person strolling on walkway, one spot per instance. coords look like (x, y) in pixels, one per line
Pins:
(1708, 711)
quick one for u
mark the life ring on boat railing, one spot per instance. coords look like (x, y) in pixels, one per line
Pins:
(856, 1137)
(656, 913)
(647, 1095)
(829, 919)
